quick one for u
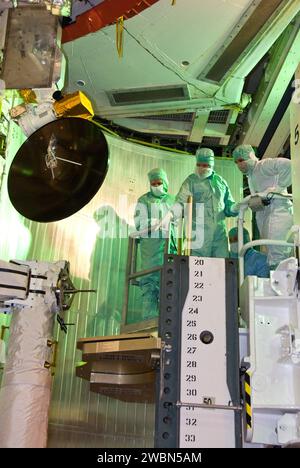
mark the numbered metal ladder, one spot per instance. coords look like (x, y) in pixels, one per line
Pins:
(198, 390)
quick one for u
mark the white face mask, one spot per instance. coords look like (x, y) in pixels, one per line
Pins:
(203, 173)
(234, 247)
(246, 166)
(158, 191)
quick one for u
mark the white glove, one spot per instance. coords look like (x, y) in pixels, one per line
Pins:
(235, 208)
(245, 201)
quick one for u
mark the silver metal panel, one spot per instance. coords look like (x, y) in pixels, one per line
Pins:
(240, 38)
(279, 71)
(29, 48)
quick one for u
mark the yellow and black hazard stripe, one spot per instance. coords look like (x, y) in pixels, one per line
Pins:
(248, 401)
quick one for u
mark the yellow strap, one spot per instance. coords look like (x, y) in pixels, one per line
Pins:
(106, 129)
(119, 35)
(28, 96)
(173, 2)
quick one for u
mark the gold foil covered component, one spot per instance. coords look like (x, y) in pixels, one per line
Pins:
(74, 105)
(28, 96)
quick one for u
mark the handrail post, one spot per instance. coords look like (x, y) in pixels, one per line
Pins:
(188, 225)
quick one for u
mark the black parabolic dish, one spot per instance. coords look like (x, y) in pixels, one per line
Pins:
(79, 168)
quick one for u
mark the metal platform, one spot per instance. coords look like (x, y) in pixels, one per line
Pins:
(122, 366)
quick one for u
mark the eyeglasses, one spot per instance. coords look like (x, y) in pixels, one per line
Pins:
(156, 182)
(240, 160)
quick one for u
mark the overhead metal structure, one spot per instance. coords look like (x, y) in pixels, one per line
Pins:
(159, 76)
